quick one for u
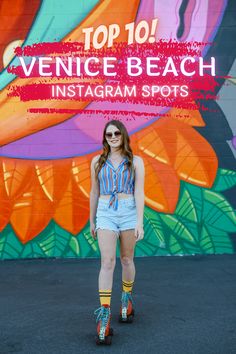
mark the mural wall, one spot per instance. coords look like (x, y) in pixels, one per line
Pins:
(189, 155)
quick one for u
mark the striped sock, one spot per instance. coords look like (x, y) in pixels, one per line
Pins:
(105, 296)
(127, 285)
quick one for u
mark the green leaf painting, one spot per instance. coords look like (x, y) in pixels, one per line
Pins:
(225, 179)
(218, 212)
(202, 224)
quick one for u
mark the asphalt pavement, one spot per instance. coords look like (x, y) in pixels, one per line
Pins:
(183, 304)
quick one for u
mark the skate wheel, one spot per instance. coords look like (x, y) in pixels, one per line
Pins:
(97, 340)
(130, 319)
(106, 341)
(121, 319)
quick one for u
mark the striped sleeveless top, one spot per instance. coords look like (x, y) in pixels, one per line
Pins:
(113, 181)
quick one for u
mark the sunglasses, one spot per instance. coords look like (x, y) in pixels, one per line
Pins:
(110, 135)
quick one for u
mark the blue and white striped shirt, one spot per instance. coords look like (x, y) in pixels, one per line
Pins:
(113, 181)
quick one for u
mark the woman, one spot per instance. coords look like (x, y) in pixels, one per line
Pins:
(117, 202)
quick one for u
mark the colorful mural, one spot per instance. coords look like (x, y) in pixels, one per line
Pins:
(190, 183)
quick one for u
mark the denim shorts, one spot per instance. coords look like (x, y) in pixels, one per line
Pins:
(124, 218)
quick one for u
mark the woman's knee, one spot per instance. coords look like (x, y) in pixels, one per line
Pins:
(126, 260)
(108, 263)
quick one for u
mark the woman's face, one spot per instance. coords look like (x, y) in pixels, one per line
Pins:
(113, 136)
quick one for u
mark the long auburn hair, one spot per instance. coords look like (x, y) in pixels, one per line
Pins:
(125, 146)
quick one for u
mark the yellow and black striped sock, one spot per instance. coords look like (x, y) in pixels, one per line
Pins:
(127, 285)
(105, 296)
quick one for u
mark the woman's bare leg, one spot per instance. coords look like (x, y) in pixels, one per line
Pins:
(107, 241)
(127, 245)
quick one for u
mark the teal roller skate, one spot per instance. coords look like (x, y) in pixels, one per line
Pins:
(104, 331)
(126, 309)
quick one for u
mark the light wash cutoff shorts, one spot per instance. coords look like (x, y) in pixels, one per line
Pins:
(124, 218)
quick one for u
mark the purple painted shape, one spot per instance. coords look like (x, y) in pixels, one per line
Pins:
(202, 16)
(234, 142)
(80, 135)
(215, 14)
(145, 11)
(187, 18)
(63, 140)
(83, 121)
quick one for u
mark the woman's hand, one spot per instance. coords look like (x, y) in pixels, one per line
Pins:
(92, 230)
(139, 232)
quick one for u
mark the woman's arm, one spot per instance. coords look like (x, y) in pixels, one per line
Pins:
(139, 188)
(94, 192)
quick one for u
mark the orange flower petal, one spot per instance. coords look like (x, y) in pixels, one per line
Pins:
(17, 175)
(72, 211)
(53, 176)
(180, 146)
(160, 194)
(191, 117)
(31, 212)
(157, 141)
(196, 161)
(5, 204)
(81, 173)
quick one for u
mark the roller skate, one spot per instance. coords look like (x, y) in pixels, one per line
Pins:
(126, 309)
(104, 331)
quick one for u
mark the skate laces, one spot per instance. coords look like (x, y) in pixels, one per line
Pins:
(125, 298)
(102, 313)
